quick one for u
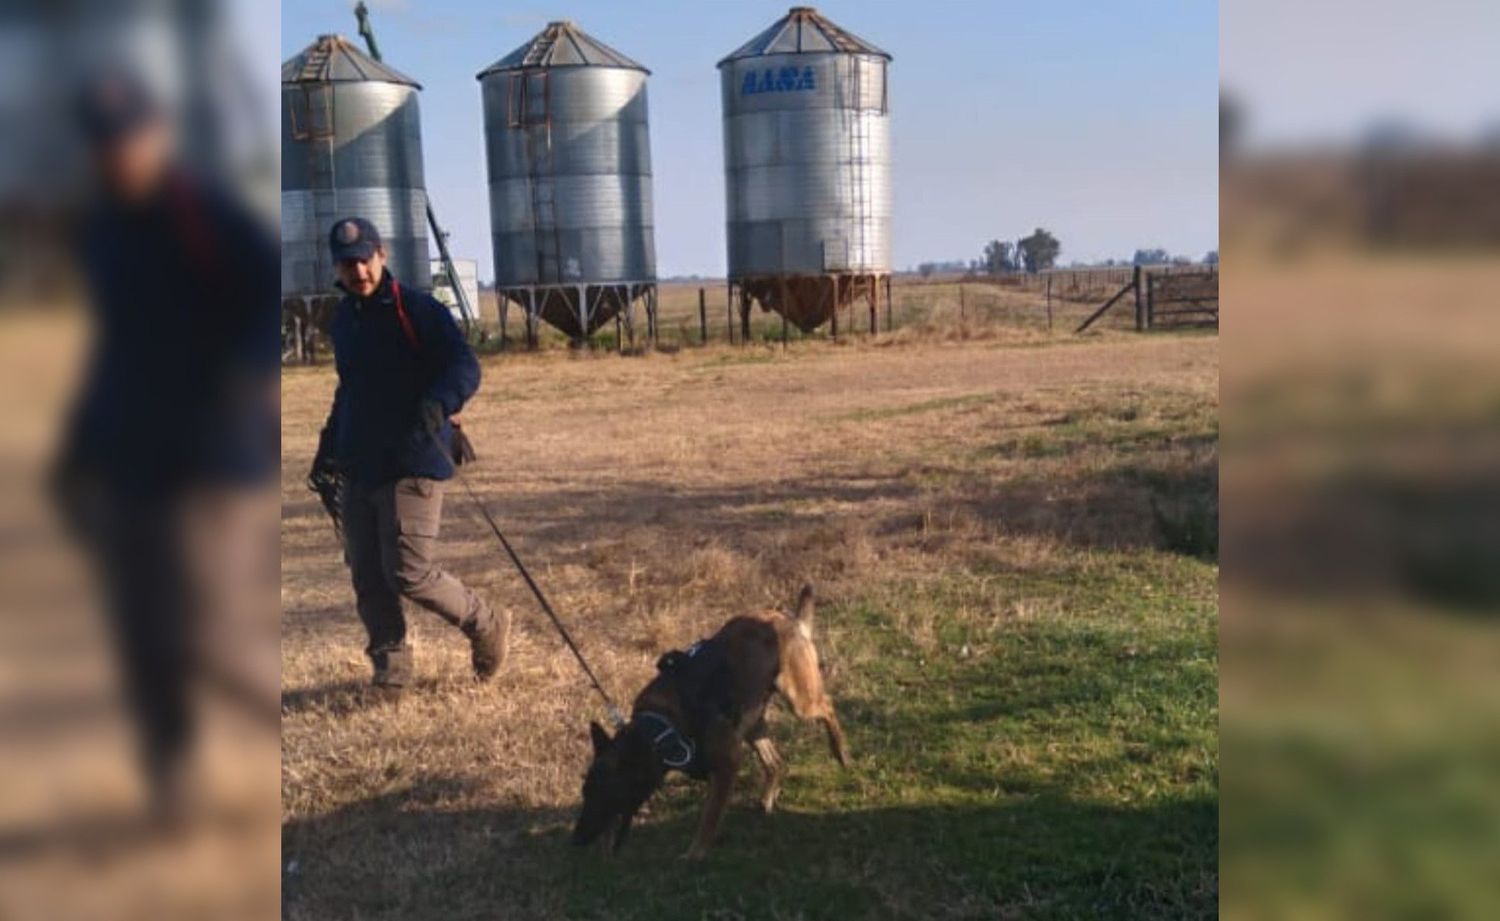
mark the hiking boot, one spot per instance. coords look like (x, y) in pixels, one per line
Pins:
(392, 670)
(489, 640)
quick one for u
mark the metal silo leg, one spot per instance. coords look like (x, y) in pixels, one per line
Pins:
(583, 316)
(630, 320)
(834, 299)
(531, 310)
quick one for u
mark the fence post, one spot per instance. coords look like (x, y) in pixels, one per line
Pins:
(1140, 307)
(963, 307)
(1150, 301)
(1049, 303)
(729, 311)
(702, 317)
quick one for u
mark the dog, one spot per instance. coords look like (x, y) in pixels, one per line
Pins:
(705, 706)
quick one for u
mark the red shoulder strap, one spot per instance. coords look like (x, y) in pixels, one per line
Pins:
(196, 234)
(404, 318)
(411, 333)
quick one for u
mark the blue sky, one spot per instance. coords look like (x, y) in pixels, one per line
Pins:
(1096, 120)
(1344, 67)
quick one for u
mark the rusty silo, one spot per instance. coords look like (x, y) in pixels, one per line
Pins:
(351, 144)
(569, 158)
(807, 171)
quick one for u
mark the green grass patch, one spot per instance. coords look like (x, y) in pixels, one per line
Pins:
(1026, 744)
(1058, 765)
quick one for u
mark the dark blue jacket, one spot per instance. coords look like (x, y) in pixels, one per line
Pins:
(383, 379)
(181, 386)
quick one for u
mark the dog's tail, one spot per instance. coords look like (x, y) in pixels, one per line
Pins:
(804, 610)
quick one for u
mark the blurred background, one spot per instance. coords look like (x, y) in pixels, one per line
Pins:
(139, 754)
(1360, 230)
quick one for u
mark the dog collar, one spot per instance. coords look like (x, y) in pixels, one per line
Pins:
(671, 746)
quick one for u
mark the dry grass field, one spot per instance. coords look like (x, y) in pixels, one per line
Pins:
(1014, 540)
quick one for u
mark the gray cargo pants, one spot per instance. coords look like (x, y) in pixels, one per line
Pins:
(390, 536)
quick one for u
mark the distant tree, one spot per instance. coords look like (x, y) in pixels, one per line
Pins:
(1151, 257)
(999, 258)
(1182, 260)
(926, 269)
(1039, 251)
(1211, 258)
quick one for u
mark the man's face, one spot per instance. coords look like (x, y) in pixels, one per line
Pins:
(133, 166)
(362, 276)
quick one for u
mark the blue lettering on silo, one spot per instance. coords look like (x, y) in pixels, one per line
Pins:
(783, 80)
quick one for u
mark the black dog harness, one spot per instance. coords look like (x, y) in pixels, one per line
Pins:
(693, 671)
(674, 749)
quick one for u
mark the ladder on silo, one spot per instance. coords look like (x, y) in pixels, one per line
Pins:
(859, 152)
(315, 130)
(537, 126)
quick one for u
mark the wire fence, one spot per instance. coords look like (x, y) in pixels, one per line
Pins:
(1058, 301)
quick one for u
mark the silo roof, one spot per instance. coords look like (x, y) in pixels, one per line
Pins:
(335, 59)
(562, 44)
(803, 30)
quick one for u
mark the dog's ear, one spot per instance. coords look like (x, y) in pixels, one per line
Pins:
(600, 738)
(804, 610)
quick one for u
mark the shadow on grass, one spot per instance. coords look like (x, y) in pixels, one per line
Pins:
(1021, 856)
(1137, 505)
(1132, 507)
(347, 697)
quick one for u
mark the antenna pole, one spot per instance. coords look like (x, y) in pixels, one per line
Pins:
(367, 32)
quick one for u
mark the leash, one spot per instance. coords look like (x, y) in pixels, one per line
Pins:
(536, 590)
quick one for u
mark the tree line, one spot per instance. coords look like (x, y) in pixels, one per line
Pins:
(1039, 251)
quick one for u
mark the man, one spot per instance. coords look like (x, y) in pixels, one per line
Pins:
(404, 370)
(168, 467)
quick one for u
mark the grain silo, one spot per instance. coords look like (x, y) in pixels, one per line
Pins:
(570, 183)
(807, 171)
(351, 144)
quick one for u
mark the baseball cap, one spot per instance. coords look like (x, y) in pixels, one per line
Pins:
(353, 238)
(114, 105)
